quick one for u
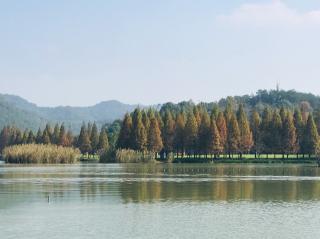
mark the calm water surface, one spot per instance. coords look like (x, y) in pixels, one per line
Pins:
(159, 201)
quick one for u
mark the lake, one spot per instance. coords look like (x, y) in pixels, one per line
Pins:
(160, 201)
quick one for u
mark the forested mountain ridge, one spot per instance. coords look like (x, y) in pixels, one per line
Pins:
(259, 101)
(17, 111)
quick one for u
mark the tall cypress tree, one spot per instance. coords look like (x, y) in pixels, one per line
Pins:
(298, 123)
(179, 136)
(246, 140)
(229, 110)
(63, 141)
(191, 133)
(305, 110)
(266, 131)
(215, 112)
(290, 141)
(223, 131)
(139, 134)
(276, 131)
(196, 113)
(159, 119)
(154, 136)
(146, 119)
(25, 136)
(39, 137)
(233, 139)
(56, 134)
(18, 137)
(94, 138)
(47, 133)
(46, 137)
(204, 134)
(311, 137)
(124, 139)
(256, 134)
(89, 129)
(70, 139)
(215, 144)
(4, 137)
(283, 113)
(317, 119)
(84, 143)
(31, 138)
(103, 140)
(168, 132)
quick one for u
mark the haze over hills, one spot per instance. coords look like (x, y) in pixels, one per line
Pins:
(17, 111)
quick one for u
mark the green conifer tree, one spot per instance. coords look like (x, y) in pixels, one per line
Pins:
(56, 134)
(191, 133)
(311, 137)
(47, 134)
(246, 140)
(25, 136)
(94, 138)
(168, 132)
(233, 139)
(256, 134)
(204, 134)
(299, 125)
(124, 139)
(84, 143)
(276, 131)
(139, 134)
(290, 142)
(179, 136)
(69, 139)
(146, 119)
(223, 131)
(39, 136)
(215, 144)
(46, 137)
(31, 138)
(103, 145)
(266, 131)
(4, 137)
(215, 112)
(62, 139)
(317, 119)
(18, 137)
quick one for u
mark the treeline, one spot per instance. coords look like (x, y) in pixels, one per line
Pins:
(90, 139)
(198, 131)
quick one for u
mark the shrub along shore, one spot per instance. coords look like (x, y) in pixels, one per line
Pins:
(40, 154)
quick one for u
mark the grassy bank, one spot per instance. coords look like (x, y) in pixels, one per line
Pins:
(40, 154)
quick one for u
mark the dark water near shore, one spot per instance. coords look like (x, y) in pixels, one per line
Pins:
(160, 201)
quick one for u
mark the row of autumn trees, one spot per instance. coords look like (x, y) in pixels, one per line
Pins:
(89, 140)
(199, 131)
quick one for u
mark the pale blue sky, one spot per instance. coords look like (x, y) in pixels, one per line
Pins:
(72, 52)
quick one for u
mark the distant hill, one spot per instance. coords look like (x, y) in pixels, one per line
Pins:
(17, 111)
(263, 98)
(23, 114)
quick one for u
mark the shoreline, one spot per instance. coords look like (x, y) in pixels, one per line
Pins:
(197, 161)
